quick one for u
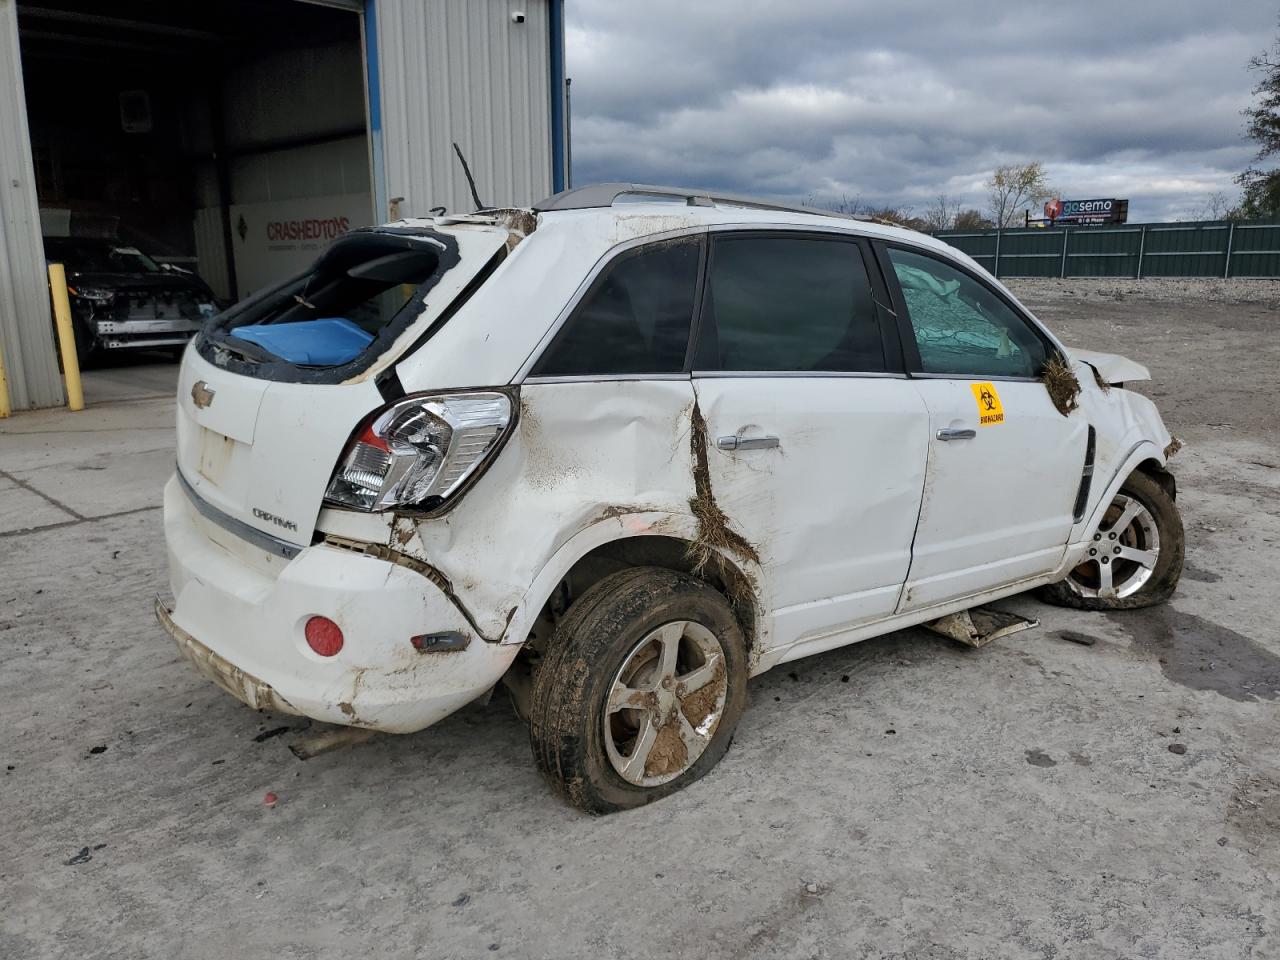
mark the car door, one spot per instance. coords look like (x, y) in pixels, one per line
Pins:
(1004, 466)
(817, 440)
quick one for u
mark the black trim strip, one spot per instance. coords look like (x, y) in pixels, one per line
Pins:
(1086, 477)
(251, 534)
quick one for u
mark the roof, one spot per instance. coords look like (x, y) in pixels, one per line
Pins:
(679, 207)
(627, 211)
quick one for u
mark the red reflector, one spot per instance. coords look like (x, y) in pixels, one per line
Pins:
(323, 636)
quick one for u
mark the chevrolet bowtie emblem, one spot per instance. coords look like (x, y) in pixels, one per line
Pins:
(201, 395)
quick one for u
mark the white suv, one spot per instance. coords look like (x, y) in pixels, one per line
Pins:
(624, 450)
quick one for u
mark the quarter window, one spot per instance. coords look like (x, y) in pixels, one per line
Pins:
(634, 320)
(961, 326)
(788, 304)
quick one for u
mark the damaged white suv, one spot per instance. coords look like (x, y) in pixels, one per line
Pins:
(623, 451)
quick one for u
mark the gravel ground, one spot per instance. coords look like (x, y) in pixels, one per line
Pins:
(1158, 290)
(1100, 787)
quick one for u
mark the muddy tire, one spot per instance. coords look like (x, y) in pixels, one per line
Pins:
(1141, 543)
(640, 691)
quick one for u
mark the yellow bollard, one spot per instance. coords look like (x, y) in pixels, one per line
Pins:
(6, 407)
(66, 336)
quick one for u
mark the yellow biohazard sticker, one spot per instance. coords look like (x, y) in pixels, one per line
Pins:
(990, 409)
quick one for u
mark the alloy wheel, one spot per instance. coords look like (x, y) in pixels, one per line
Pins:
(665, 703)
(1123, 554)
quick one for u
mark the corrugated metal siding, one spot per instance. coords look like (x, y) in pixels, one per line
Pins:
(1209, 249)
(462, 70)
(26, 333)
(1255, 250)
(211, 254)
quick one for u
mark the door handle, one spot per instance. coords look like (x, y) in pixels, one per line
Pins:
(746, 443)
(953, 433)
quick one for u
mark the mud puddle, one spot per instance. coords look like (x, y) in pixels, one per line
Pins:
(1203, 655)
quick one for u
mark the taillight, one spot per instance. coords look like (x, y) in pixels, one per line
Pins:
(419, 450)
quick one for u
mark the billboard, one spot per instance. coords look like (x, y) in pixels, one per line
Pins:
(1086, 212)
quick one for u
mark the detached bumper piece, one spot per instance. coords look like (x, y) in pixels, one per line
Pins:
(979, 626)
(224, 674)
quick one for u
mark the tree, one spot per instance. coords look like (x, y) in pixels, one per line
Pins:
(971, 220)
(1262, 187)
(895, 217)
(850, 206)
(1218, 206)
(940, 214)
(1014, 186)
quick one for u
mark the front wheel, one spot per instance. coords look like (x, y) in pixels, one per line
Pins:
(1135, 557)
(640, 691)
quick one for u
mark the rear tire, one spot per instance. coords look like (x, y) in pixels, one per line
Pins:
(640, 691)
(1143, 518)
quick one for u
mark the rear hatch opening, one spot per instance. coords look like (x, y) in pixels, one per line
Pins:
(274, 388)
(332, 322)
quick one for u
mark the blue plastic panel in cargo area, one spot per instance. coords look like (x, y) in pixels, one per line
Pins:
(326, 342)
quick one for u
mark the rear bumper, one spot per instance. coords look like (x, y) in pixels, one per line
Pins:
(239, 615)
(248, 690)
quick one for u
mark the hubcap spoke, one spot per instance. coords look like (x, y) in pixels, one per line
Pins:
(693, 740)
(622, 697)
(669, 641)
(1146, 558)
(698, 678)
(1106, 584)
(633, 765)
(1131, 510)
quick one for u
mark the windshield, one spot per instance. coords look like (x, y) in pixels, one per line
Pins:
(82, 256)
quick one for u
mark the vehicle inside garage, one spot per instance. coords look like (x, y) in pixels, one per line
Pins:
(179, 145)
(224, 143)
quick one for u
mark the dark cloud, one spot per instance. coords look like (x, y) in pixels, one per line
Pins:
(895, 103)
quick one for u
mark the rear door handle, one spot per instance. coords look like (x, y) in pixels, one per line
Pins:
(746, 443)
(953, 433)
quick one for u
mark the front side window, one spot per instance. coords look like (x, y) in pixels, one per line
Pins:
(961, 326)
(788, 304)
(635, 319)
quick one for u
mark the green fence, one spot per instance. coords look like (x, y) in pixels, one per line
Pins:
(1249, 248)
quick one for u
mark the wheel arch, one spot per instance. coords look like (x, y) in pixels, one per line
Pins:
(1143, 455)
(1161, 475)
(643, 539)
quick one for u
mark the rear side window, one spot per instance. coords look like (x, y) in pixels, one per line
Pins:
(961, 326)
(635, 319)
(788, 304)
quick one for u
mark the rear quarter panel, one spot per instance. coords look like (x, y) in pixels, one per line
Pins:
(587, 462)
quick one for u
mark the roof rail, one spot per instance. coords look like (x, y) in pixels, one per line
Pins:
(604, 195)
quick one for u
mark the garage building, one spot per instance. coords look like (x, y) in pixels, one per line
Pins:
(236, 138)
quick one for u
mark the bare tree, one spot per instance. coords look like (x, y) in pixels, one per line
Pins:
(850, 206)
(1218, 206)
(940, 214)
(971, 220)
(895, 217)
(1014, 186)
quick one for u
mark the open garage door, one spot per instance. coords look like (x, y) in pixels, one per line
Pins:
(189, 154)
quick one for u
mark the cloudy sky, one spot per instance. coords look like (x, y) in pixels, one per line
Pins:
(896, 102)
